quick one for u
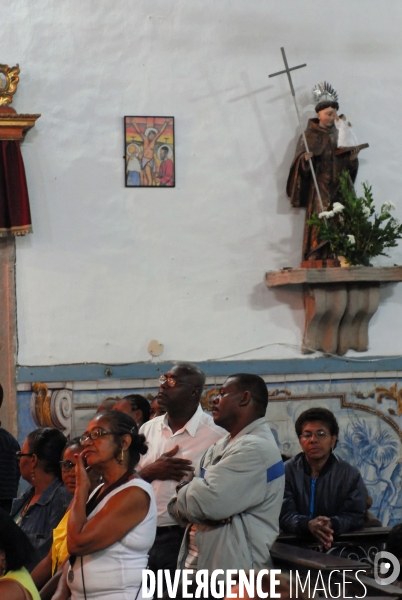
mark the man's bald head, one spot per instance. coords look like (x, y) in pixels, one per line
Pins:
(191, 373)
(180, 390)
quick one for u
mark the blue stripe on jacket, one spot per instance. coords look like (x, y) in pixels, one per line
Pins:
(277, 470)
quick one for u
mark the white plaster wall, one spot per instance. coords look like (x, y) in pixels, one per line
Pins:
(108, 268)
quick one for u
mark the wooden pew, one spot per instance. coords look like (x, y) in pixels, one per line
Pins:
(304, 558)
(369, 534)
(356, 545)
(331, 570)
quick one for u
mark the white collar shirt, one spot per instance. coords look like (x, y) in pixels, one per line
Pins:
(197, 435)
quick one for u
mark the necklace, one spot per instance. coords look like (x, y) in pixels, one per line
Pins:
(23, 511)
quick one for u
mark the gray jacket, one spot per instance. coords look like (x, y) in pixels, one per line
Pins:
(241, 478)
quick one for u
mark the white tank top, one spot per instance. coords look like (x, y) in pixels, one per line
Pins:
(116, 572)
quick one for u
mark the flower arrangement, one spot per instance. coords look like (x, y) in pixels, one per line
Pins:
(353, 229)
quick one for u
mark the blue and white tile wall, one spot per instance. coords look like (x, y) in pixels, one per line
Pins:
(367, 407)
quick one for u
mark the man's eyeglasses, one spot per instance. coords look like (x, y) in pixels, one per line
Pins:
(94, 435)
(171, 381)
(308, 435)
(19, 454)
(66, 465)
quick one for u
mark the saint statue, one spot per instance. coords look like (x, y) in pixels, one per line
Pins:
(323, 135)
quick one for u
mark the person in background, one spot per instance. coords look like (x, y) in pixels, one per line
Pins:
(42, 505)
(106, 404)
(370, 520)
(15, 552)
(176, 443)
(110, 533)
(324, 495)
(136, 406)
(9, 469)
(156, 410)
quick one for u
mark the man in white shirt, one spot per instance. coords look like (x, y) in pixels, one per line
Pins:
(176, 443)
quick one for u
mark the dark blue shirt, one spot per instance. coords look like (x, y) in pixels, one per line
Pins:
(42, 517)
(9, 467)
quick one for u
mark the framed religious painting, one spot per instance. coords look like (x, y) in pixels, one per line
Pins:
(149, 151)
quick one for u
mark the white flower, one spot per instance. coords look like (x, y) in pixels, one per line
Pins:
(327, 214)
(366, 211)
(351, 239)
(387, 206)
(337, 207)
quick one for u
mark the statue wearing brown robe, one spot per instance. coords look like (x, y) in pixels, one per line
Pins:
(322, 143)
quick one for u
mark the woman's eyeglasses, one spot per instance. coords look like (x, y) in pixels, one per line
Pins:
(94, 435)
(20, 454)
(66, 465)
(320, 434)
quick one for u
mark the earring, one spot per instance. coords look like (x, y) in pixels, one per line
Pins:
(121, 457)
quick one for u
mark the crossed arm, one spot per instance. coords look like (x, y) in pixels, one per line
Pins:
(237, 482)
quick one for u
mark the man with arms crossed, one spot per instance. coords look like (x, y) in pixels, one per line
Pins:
(234, 501)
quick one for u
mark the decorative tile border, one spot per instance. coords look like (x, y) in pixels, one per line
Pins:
(323, 366)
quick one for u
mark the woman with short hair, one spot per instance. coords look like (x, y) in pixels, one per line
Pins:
(324, 495)
(40, 508)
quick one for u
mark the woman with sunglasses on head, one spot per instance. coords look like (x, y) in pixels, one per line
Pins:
(324, 495)
(15, 552)
(110, 532)
(39, 509)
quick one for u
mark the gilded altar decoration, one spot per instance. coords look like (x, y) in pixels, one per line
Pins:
(8, 83)
(392, 394)
(383, 393)
(207, 398)
(52, 409)
(15, 214)
(40, 405)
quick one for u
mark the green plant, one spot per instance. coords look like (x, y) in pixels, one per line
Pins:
(353, 229)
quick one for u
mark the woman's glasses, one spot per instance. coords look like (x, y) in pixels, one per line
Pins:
(20, 454)
(66, 465)
(320, 434)
(94, 435)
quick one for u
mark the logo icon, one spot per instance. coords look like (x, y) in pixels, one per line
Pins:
(386, 568)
